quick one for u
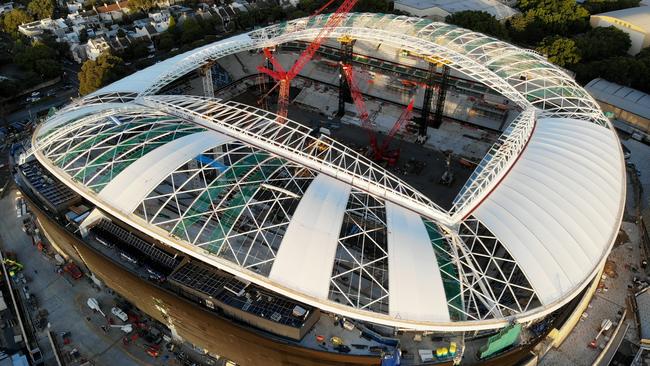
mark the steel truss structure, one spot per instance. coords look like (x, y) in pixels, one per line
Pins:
(233, 202)
(292, 140)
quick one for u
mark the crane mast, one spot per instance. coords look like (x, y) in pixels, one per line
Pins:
(285, 77)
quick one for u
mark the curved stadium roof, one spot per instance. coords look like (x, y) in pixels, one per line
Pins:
(311, 219)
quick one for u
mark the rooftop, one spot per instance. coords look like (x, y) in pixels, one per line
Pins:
(116, 6)
(496, 8)
(312, 219)
(620, 96)
(638, 16)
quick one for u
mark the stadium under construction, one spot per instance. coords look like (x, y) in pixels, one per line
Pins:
(424, 194)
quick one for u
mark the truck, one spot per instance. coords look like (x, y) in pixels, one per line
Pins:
(73, 270)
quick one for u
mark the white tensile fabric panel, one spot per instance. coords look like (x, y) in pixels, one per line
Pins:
(415, 285)
(145, 78)
(305, 259)
(556, 210)
(133, 184)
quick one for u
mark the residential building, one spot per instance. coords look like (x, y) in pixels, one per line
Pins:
(148, 31)
(4, 8)
(633, 21)
(74, 6)
(181, 12)
(34, 29)
(160, 16)
(96, 47)
(78, 52)
(113, 12)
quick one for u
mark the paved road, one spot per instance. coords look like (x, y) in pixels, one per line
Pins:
(30, 110)
(62, 297)
(604, 305)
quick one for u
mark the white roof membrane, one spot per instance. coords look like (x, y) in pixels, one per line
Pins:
(306, 257)
(556, 210)
(415, 288)
(154, 167)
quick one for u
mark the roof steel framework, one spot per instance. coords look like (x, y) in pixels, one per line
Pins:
(233, 204)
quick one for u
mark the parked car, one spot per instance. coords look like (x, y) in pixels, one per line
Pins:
(73, 270)
(120, 314)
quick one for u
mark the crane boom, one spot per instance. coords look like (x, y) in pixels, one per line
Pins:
(405, 116)
(359, 103)
(378, 152)
(334, 21)
(276, 64)
(285, 77)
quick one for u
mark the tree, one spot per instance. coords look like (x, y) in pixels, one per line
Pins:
(297, 13)
(191, 31)
(26, 57)
(560, 51)
(48, 69)
(41, 9)
(95, 74)
(166, 41)
(309, 6)
(89, 4)
(599, 43)
(143, 5)
(624, 70)
(602, 6)
(137, 49)
(245, 21)
(13, 19)
(83, 36)
(541, 18)
(373, 6)
(49, 40)
(8, 88)
(172, 23)
(40, 59)
(478, 21)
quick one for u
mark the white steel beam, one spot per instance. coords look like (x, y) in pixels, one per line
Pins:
(293, 142)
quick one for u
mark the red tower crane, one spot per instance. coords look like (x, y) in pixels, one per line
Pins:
(383, 149)
(379, 153)
(284, 77)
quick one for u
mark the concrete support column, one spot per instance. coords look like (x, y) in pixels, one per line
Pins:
(347, 47)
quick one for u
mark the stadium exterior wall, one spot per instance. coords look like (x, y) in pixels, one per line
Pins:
(187, 321)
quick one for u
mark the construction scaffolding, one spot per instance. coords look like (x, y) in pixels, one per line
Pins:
(206, 77)
(435, 121)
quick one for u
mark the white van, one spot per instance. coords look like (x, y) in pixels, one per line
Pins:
(120, 314)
